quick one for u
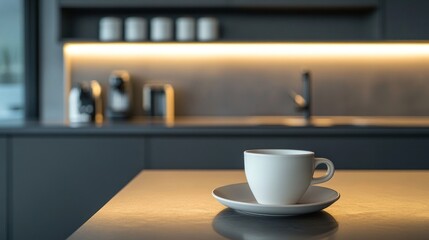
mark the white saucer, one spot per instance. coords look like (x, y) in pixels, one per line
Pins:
(239, 197)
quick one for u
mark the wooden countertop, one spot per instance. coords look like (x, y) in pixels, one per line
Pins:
(179, 205)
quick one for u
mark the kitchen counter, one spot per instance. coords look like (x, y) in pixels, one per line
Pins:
(179, 205)
(272, 126)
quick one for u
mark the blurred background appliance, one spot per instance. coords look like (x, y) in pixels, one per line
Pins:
(158, 100)
(85, 103)
(120, 95)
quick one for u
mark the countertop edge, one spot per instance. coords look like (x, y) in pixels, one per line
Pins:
(146, 130)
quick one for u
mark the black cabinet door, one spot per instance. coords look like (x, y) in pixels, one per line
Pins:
(227, 152)
(3, 188)
(364, 152)
(60, 182)
(406, 19)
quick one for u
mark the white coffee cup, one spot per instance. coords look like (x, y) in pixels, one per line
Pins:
(161, 29)
(185, 29)
(110, 29)
(282, 176)
(207, 29)
(135, 29)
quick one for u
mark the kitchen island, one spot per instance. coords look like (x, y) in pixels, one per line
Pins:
(179, 205)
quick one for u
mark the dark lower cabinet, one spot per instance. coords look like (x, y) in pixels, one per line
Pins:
(50, 185)
(3, 188)
(365, 152)
(60, 182)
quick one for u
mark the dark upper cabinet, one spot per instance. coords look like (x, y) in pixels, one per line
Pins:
(219, 3)
(406, 19)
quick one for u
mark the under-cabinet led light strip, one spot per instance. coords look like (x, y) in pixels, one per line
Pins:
(247, 49)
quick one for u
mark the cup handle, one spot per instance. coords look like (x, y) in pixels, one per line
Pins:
(329, 172)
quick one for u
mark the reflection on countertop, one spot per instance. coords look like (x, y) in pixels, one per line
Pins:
(233, 225)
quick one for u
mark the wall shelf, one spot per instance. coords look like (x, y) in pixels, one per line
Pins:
(253, 21)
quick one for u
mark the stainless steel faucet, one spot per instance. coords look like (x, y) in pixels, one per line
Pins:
(303, 102)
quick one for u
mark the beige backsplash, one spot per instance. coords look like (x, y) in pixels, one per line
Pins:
(223, 86)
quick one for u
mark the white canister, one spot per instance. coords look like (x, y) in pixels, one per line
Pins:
(208, 29)
(110, 29)
(185, 29)
(161, 29)
(135, 29)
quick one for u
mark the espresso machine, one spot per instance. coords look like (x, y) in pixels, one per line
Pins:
(120, 95)
(85, 103)
(158, 100)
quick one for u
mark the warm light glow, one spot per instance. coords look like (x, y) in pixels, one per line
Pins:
(247, 49)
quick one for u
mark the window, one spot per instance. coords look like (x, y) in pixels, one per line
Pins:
(11, 60)
(18, 59)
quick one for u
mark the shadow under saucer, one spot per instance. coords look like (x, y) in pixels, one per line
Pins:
(233, 225)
